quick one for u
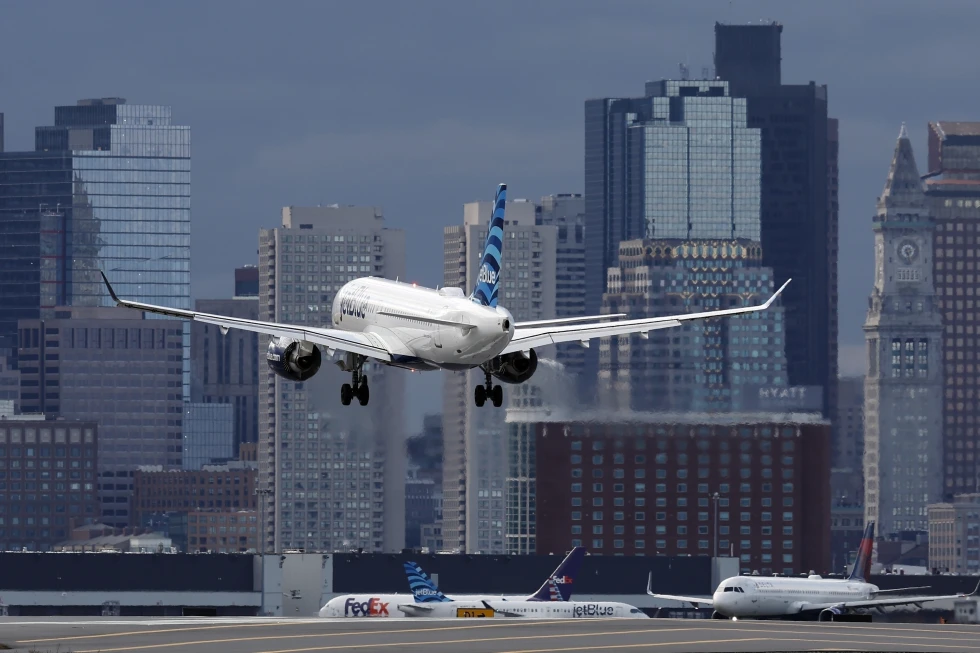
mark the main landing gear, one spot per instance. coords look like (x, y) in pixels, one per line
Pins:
(358, 387)
(494, 393)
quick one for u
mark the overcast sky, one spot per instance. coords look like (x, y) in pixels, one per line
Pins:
(421, 106)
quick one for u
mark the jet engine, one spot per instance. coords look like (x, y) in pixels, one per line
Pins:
(296, 360)
(514, 367)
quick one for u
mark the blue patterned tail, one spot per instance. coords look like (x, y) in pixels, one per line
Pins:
(488, 281)
(423, 589)
(558, 587)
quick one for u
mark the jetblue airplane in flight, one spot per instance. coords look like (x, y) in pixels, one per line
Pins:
(416, 328)
(761, 597)
(557, 587)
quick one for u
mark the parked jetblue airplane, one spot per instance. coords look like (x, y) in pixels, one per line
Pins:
(756, 596)
(557, 587)
(407, 326)
(547, 604)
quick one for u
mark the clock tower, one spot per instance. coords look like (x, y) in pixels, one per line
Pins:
(903, 330)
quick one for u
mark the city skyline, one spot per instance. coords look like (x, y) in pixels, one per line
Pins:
(419, 164)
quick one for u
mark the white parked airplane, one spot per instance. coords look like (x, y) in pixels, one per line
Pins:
(437, 605)
(761, 597)
(416, 328)
(557, 587)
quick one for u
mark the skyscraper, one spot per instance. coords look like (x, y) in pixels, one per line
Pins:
(112, 367)
(475, 445)
(903, 389)
(108, 186)
(225, 365)
(953, 196)
(336, 475)
(798, 203)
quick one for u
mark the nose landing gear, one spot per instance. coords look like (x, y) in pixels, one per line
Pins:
(494, 393)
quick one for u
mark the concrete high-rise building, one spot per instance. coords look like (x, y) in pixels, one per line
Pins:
(225, 366)
(112, 367)
(954, 535)
(712, 365)
(847, 475)
(567, 212)
(953, 196)
(903, 389)
(107, 187)
(334, 476)
(798, 201)
(475, 444)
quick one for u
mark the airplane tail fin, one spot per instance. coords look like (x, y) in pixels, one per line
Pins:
(862, 563)
(423, 589)
(488, 281)
(558, 586)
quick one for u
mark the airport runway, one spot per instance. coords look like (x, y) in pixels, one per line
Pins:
(265, 635)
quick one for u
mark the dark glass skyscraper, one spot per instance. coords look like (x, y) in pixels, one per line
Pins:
(798, 208)
(107, 187)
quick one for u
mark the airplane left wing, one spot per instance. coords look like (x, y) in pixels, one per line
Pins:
(526, 337)
(366, 344)
(415, 609)
(882, 603)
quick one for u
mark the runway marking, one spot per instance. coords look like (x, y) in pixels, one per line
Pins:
(601, 647)
(281, 622)
(975, 647)
(604, 647)
(367, 633)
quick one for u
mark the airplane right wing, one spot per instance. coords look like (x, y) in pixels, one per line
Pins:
(366, 344)
(881, 603)
(696, 602)
(416, 609)
(526, 337)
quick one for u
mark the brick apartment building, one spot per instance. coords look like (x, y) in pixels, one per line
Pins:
(754, 486)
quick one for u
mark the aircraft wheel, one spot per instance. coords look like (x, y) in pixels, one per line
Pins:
(498, 395)
(480, 396)
(363, 394)
(346, 394)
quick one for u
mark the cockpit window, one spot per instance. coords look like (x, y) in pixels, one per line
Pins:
(729, 589)
(634, 611)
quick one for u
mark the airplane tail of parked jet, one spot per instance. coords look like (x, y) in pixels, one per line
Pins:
(862, 563)
(488, 281)
(424, 590)
(558, 586)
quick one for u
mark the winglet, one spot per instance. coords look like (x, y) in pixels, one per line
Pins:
(112, 293)
(776, 294)
(976, 590)
(650, 584)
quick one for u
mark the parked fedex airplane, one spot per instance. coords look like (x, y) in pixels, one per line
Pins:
(403, 325)
(755, 596)
(439, 606)
(557, 587)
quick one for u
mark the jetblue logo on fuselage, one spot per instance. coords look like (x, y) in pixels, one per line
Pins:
(355, 304)
(593, 610)
(487, 275)
(371, 608)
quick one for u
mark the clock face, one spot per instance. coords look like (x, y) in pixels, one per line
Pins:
(908, 251)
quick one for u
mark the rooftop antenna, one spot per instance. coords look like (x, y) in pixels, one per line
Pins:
(684, 71)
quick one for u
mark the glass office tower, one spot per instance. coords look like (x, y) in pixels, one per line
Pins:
(129, 211)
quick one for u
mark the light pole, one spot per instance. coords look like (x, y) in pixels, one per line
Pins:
(715, 498)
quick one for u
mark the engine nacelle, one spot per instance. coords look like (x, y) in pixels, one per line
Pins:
(514, 367)
(296, 360)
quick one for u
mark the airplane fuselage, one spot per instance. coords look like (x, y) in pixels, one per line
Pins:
(386, 605)
(407, 318)
(531, 610)
(746, 596)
